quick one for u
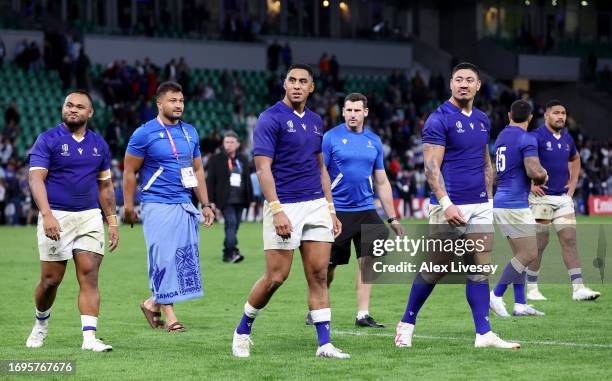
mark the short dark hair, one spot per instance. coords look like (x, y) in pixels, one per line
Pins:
(82, 92)
(230, 134)
(356, 97)
(167, 86)
(552, 103)
(301, 66)
(520, 111)
(467, 66)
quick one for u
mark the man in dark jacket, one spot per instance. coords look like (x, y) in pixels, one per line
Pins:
(230, 190)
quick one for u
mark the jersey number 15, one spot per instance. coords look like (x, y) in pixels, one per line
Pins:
(500, 159)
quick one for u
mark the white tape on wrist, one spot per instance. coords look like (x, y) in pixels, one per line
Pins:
(445, 203)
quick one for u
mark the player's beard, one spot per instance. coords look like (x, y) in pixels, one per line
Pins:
(170, 116)
(74, 126)
(463, 103)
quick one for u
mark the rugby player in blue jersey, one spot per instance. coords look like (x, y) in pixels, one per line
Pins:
(458, 170)
(517, 164)
(298, 212)
(70, 178)
(553, 202)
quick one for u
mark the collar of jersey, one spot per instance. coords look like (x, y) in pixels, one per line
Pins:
(458, 110)
(291, 110)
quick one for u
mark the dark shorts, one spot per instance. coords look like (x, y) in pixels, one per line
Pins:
(352, 232)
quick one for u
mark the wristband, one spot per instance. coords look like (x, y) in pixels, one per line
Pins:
(331, 207)
(275, 207)
(391, 219)
(445, 203)
(112, 220)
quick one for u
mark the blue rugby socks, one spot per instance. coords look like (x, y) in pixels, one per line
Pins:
(321, 319)
(246, 323)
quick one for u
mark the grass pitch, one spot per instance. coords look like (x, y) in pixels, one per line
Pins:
(573, 340)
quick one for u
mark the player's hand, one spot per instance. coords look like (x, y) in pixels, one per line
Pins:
(398, 228)
(113, 237)
(282, 225)
(209, 216)
(454, 216)
(571, 189)
(337, 225)
(130, 216)
(538, 190)
(51, 227)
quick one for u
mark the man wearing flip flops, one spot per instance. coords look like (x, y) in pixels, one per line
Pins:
(166, 152)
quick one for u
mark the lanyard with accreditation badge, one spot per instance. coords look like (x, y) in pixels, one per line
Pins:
(188, 178)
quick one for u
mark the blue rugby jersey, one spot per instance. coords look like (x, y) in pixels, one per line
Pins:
(293, 142)
(513, 185)
(73, 167)
(465, 138)
(554, 156)
(351, 159)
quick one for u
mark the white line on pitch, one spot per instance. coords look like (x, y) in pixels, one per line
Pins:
(551, 343)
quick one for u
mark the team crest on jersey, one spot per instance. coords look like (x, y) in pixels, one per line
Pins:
(344, 141)
(290, 124)
(482, 127)
(161, 135)
(567, 147)
(459, 127)
(304, 126)
(559, 145)
(471, 125)
(548, 146)
(65, 150)
(370, 144)
(95, 151)
(80, 150)
(316, 130)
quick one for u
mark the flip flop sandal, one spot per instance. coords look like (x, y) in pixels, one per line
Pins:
(176, 327)
(152, 317)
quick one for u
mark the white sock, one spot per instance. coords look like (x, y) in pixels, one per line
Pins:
(250, 311)
(42, 317)
(89, 324)
(362, 314)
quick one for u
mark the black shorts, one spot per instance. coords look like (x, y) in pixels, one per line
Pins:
(351, 232)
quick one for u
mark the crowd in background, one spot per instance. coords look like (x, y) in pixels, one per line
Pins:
(397, 115)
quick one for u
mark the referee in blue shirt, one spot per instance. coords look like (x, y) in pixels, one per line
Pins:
(353, 156)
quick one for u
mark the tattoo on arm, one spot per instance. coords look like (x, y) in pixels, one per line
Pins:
(107, 197)
(534, 169)
(488, 172)
(433, 155)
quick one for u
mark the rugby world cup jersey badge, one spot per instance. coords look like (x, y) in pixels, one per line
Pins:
(290, 124)
(459, 127)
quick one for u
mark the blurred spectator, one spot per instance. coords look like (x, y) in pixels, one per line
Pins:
(324, 65)
(6, 151)
(287, 55)
(273, 55)
(83, 65)
(2, 52)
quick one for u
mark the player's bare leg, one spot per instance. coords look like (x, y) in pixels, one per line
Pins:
(533, 270)
(364, 291)
(278, 266)
(315, 257)
(567, 239)
(51, 275)
(87, 266)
